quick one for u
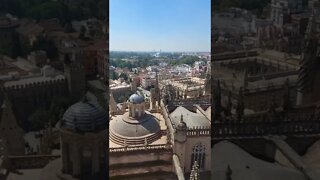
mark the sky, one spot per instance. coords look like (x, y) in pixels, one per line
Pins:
(154, 25)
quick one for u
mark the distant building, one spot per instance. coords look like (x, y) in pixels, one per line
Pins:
(119, 89)
(38, 58)
(234, 20)
(147, 81)
(281, 10)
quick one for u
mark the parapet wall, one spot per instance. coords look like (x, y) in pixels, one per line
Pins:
(31, 161)
(140, 154)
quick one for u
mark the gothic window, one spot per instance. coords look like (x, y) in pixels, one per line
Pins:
(198, 154)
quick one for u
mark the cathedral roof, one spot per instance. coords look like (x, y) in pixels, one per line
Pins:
(243, 164)
(85, 116)
(190, 118)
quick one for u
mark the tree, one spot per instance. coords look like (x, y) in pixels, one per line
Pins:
(122, 98)
(39, 119)
(57, 108)
(113, 75)
(46, 45)
(124, 76)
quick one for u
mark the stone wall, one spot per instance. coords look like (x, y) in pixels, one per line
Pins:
(140, 161)
(140, 156)
(25, 98)
(31, 161)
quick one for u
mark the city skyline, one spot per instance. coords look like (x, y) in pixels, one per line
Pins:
(169, 26)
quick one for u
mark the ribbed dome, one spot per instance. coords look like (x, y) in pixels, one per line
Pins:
(136, 99)
(126, 130)
(85, 116)
(137, 128)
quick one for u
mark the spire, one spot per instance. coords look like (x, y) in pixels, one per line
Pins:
(245, 78)
(286, 105)
(273, 104)
(217, 100)
(66, 59)
(194, 175)
(273, 115)
(229, 105)
(10, 128)
(240, 105)
(112, 104)
(6, 101)
(182, 125)
(157, 89)
(228, 173)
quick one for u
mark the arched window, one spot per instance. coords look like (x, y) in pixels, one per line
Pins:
(198, 154)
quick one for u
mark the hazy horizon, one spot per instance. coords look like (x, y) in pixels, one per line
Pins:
(161, 51)
(166, 25)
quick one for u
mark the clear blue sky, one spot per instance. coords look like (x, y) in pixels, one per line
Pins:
(169, 25)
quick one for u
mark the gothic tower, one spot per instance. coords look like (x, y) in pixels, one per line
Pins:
(309, 75)
(74, 72)
(157, 89)
(180, 138)
(153, 99)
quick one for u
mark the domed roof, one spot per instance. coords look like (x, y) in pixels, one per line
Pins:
(85, 116)
(136, 99)
(139, 128)
(134, 131)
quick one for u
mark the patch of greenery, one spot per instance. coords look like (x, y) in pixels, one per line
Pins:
(41, 117)
(141, 62)
(185, 60)
(47, 46)
(113, 75)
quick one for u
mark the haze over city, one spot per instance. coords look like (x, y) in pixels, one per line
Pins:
(166, 25)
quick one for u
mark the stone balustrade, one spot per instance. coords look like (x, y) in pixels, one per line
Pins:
(140, 148)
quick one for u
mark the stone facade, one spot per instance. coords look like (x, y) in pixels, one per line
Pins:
(260, 77)
(83, 153)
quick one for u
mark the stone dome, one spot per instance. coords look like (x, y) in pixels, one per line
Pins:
(136, 99)
(85, 116)
(125, 130)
